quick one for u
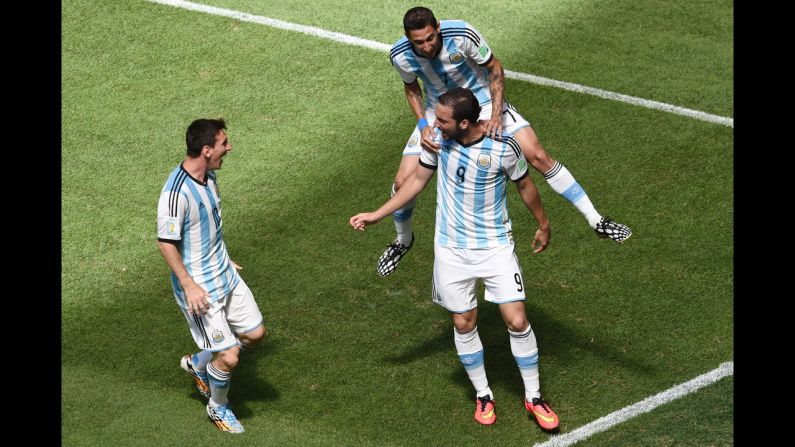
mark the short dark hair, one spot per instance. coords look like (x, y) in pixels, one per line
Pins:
(202, 133)
(418, 18)
(464, 104)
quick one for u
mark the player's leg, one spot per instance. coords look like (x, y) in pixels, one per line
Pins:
(212, 333)
(558, 176)
(403, 217)
(220, 373)
(454, 289)
(502, 277)
(201, 326)
(196, 365)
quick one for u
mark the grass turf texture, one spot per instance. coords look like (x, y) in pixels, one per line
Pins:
(317, 128)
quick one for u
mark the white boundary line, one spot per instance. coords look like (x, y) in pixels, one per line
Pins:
(644, 406)
(378, 46)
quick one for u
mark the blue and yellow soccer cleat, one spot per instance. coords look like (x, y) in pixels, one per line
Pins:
(186, 363)
(224, 419)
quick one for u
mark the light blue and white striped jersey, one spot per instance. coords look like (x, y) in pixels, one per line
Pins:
(189, 214)
(458, 64)
(471, 206)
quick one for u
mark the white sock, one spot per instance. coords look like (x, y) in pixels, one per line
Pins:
(525, 351)
(470, 352)
(562, 182)
(403, 218)
(219, 385)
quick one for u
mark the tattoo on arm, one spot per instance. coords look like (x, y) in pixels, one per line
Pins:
(497, 84)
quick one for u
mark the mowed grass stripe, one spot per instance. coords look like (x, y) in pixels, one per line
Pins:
(357, 41)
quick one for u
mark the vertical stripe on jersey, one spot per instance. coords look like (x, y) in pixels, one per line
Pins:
(480, 187)
(442, 211)
(500, 205)
(204, 234)
(460, 228)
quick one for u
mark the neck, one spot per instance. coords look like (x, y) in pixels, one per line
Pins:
(196, 167)
(472, 133)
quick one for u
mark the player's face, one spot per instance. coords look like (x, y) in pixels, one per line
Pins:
(219, 149)
(446, 123)
(427, 41)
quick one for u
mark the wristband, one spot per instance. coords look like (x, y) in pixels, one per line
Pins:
(422, 123)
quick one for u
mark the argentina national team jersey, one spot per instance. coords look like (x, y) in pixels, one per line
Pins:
(458, 64)
(471, 207)
(189, 214)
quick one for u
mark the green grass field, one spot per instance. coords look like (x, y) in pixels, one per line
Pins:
(317, 129)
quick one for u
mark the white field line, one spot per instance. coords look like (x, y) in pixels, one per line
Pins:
(644, 406)
(378, 46)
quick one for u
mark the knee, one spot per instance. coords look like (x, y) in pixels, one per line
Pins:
(518, 323)
(254, 337)
(227, 360)
(538, 157)
(464, 326)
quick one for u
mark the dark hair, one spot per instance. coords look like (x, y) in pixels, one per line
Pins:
(418, 18)
(464, 104)
(202, 133)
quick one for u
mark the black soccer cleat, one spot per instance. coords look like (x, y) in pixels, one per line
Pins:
(392, 256)
(607, 228)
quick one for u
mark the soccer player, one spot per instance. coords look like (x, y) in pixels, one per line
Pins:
(474, 241)
(452, 53)
(219, 307)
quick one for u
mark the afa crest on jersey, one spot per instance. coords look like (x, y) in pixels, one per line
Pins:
(484, 160)
(218, 336)
(456, 58)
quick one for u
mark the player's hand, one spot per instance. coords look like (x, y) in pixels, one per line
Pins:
(541, 239)
(197, 299)
(427, 141)
(493, 128)
(359, 221)
(234, 264)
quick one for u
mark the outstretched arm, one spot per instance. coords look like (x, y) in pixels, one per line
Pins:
(410, 189)
(532, 200)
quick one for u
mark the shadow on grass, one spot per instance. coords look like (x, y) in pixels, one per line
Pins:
(555, 339)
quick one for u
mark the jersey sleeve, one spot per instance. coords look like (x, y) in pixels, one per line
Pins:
(429, 159)
(476, 47)
(513, 162)
(171, 211)
(406, 74)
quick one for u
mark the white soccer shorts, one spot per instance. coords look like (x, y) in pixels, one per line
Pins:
(456, 270)
(236, 313)
(512, 121)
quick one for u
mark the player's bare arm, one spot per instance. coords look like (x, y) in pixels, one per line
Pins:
(414, 97)
(532, 200)
(496, 87)
(196, 298)
(410, 189)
